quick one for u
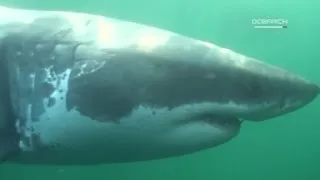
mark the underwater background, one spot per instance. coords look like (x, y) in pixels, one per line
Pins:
(287, 147)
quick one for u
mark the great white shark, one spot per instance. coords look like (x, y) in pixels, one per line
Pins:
(80, 88)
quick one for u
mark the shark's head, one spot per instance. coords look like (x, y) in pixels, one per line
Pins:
(196, 93)
(184, 71)
(160, 99)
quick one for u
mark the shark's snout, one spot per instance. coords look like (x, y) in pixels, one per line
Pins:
(297, 97)
(252, 89)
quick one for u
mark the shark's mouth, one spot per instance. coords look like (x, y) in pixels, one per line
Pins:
(220, 121)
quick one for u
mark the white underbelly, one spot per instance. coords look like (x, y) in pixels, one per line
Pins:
(145, 134)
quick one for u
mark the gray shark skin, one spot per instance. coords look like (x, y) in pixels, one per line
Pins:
(86, 89)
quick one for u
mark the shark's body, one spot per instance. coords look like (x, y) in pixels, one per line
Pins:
(86, 89)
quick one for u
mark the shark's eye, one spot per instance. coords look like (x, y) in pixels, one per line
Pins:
(224, 122)
(254, 90)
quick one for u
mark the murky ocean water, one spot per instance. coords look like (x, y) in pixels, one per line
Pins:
(286, 147)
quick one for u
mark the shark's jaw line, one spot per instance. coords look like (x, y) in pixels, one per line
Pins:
(167, 131)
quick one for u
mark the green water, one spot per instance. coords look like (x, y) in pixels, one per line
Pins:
(284, 148)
